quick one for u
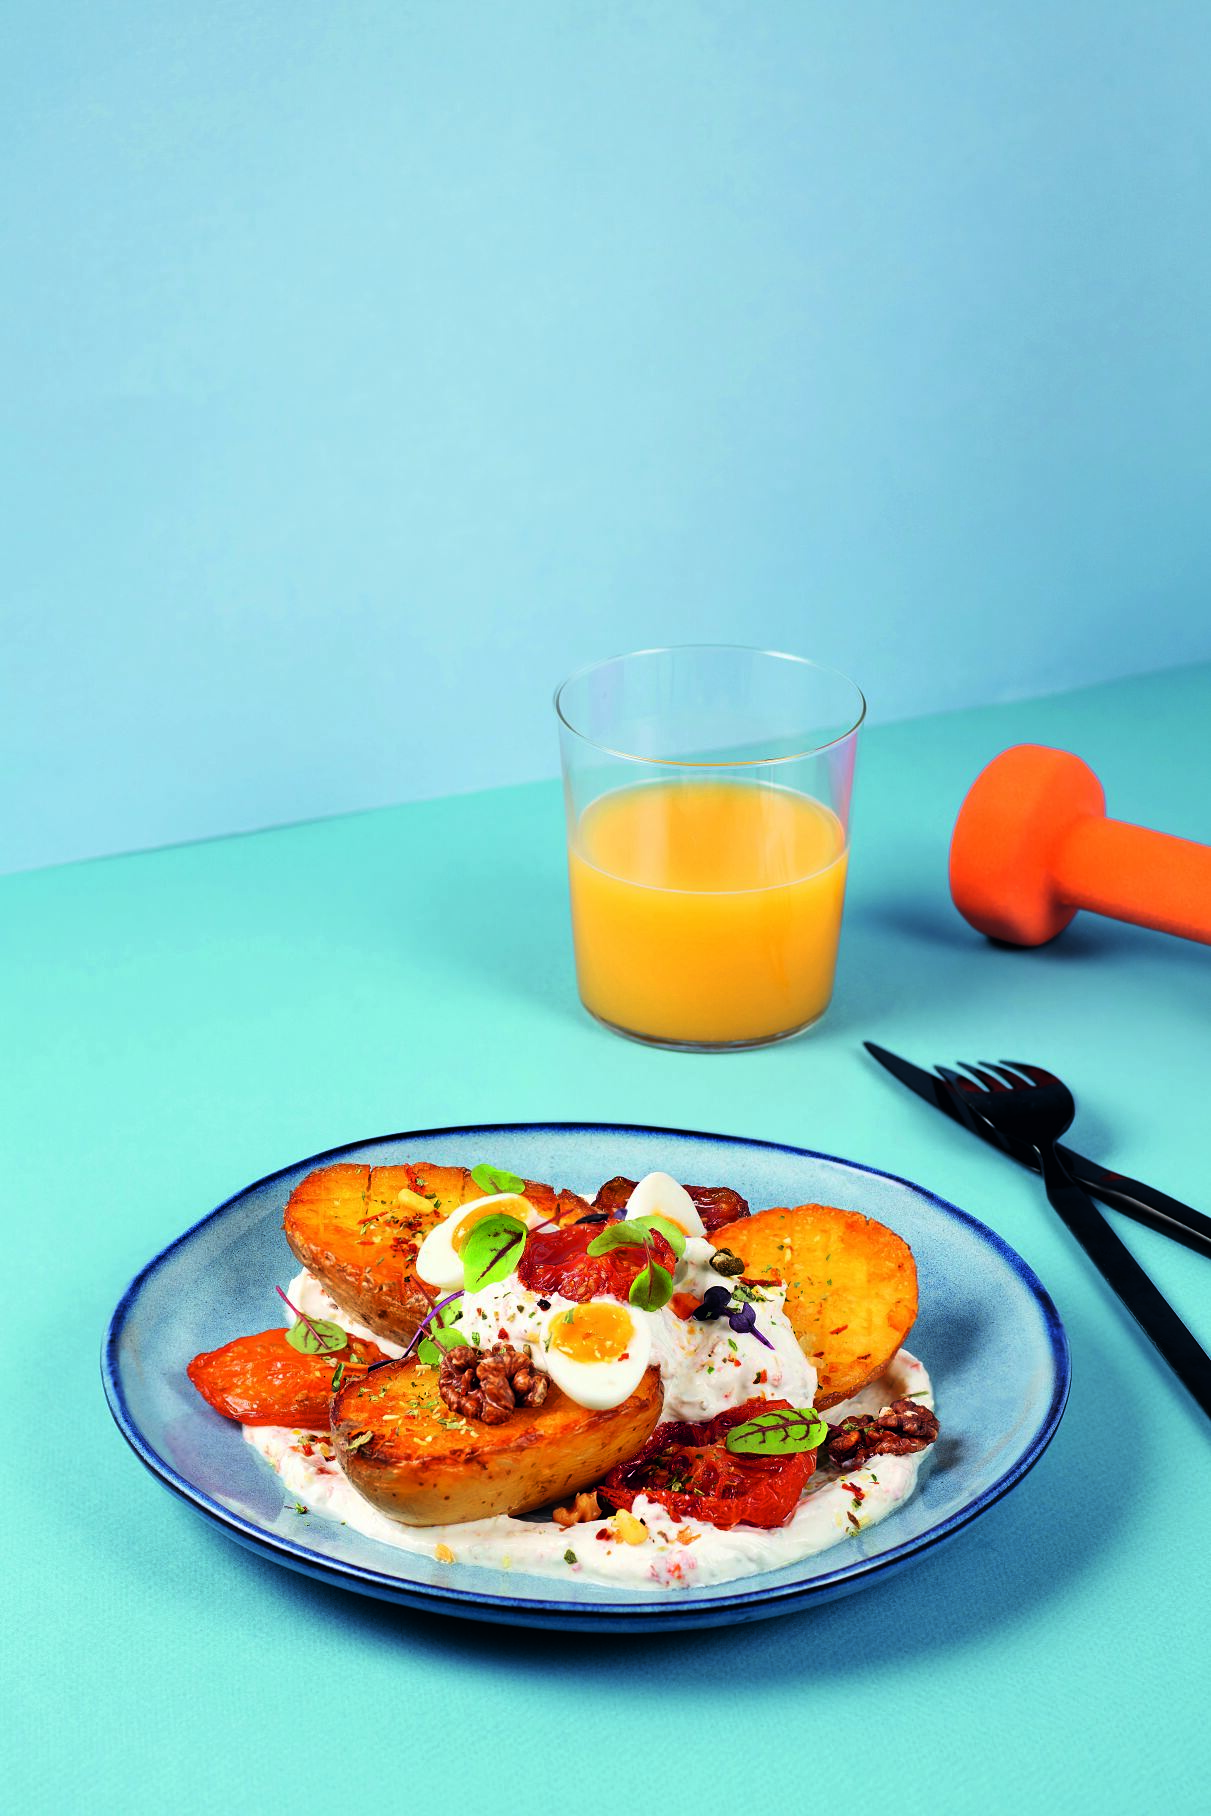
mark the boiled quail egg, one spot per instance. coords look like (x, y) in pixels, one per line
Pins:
(596, 1352)
(660, 1195)
(439, 1258)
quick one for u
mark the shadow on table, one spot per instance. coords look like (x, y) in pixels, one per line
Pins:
(902, 950)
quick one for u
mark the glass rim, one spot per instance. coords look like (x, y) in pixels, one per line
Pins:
(685, 649)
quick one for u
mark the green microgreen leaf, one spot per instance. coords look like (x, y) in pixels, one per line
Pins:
(313, 1336)
(492, 1250)
(437, 1312)
(673, 1234)
(651, 1288)
(437, 1341)
(637, 1230)
(316, 1337)
(619, 1235)
(442, 1332)
(338, 1375)
(778, 1433)
(492, 1180)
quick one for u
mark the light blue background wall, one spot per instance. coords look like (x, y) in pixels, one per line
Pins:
(369, 366)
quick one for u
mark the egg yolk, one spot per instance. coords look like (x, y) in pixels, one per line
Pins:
(593, 1333)
(516, 1207)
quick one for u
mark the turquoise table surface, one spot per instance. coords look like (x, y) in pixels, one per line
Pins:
(180, 1022)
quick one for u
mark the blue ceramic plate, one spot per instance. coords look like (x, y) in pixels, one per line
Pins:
(987, 1331)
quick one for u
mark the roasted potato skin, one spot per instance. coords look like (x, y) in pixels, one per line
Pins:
(851, 1287)
(345, 1225)
(425, 1466)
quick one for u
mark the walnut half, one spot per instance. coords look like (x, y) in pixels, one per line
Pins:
(905, 1426)
(489, 1384)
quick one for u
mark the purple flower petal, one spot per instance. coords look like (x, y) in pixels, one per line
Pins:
(715, 1302)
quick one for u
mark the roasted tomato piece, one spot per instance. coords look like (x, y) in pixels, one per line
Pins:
(716, 1204)
(558, 1261)
(264, 1380)
(569, 1206)
(615, 1194)
(691, 1472)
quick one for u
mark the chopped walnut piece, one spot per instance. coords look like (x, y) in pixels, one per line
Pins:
(905, 1426)
(489, 1384)
(584, 1507)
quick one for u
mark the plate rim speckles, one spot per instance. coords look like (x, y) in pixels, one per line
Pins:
(819, 1579)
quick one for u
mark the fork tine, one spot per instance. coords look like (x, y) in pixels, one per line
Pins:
(1035, 1073)
(986, 1078)
(957, 1079)
(1013, 1079)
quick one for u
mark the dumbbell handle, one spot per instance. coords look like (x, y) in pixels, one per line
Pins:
(1131, 874)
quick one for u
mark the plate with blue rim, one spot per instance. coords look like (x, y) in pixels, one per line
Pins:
(986, 1330)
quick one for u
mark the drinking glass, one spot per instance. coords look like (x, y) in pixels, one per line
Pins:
(708, 796)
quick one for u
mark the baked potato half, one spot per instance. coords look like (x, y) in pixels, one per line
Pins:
(851, 1287)
(350, 1227)
(420, 1463)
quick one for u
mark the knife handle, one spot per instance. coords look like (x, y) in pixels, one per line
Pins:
(1141, 1202)
(1121, 1271)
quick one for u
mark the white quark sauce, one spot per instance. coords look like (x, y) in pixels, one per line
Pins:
(704, 1368)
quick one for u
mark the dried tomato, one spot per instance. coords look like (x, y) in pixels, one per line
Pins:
(691, 1472)
(264, 1380)
(558, 1261)
(716, 1204)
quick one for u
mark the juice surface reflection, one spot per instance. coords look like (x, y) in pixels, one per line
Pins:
(707, 911)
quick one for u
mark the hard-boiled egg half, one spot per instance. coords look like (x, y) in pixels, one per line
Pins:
(596, 1352)
(439, 1258)
(659, 1195)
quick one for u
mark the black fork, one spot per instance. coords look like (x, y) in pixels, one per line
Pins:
(1025, 1104)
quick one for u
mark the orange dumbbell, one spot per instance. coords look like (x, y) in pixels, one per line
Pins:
(1032, 845)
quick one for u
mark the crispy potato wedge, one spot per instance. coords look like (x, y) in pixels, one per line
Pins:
(348, 1227)
(424, 1466)
(851, 1287)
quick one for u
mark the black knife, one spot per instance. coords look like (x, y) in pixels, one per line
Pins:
(1122, 1193)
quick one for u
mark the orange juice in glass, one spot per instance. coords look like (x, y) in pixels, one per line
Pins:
(708, 793)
